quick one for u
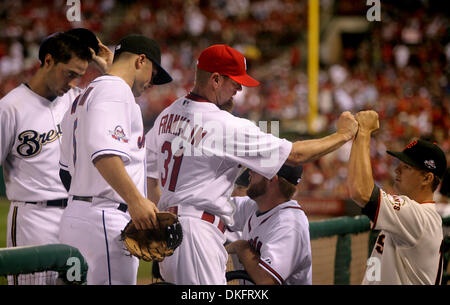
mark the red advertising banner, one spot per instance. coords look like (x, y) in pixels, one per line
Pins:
(322, 206)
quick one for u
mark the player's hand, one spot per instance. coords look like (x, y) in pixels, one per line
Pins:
(230, 248)
(347, 125)
(143, 214)
(368, 120)
(104, 58)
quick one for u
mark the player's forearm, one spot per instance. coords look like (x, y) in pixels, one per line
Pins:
(309, 150)
(250, 260)
(112, 169)
(153, 190)
(360, 179)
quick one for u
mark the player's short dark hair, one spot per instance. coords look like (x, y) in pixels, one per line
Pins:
(62, 47)
(287, 189)
(435, 183)
(86, 37)
(124, 55)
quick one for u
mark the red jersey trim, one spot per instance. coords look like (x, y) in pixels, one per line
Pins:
(277, 276)
(197, 98)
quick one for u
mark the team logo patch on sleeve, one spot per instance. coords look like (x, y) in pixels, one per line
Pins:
(118, 134)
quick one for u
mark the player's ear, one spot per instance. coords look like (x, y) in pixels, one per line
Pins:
(428, 178)
(48, 60)
(140, 61)
(215, 79)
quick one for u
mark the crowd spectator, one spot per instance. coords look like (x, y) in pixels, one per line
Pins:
(400, 69)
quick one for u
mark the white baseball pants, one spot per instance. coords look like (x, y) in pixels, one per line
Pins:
(33, 225)
(201, 259)
(94, 229)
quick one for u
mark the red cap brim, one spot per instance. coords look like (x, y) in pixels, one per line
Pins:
(244, 80)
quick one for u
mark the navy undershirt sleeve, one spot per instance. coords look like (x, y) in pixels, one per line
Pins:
(372, 206)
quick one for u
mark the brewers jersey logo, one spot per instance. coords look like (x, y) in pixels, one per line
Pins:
(32, 142)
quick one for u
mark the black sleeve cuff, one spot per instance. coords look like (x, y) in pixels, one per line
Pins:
(371, 207)
(66, 179)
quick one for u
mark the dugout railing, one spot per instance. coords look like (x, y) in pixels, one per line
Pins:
(67, 261)
(346, 227)
(70, 264)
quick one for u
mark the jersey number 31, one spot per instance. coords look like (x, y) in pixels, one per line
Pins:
(177, 159)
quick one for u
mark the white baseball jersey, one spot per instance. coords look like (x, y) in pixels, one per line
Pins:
(407, 250)
(280, 236)
(30, 144)
(197, 151)
(30, 136)
(105, 119)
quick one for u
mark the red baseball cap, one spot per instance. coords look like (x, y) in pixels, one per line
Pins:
(227, 61)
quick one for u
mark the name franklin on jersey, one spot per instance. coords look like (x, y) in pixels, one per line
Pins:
(177, 125)
(32, 142)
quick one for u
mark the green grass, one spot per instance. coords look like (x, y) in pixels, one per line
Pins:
(4, 207)
(144, 272)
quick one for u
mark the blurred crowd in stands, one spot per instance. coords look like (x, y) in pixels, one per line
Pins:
(400, 68)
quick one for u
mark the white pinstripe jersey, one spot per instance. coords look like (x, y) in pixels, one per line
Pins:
(30, 135)
(280, 236)
(105, 119)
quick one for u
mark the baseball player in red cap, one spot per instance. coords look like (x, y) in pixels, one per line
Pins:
(408, 248)
(197, 149)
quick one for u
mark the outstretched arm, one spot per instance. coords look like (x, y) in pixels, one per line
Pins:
(360, 180)
(310, 150)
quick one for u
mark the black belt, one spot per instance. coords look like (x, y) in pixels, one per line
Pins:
(62, 203)
(122, 206)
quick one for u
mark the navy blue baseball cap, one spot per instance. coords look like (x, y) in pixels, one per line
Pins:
(292, 174)
(423, 155)
(140, 44)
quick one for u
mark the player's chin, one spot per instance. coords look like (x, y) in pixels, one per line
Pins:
(228, 105)
(397, 186)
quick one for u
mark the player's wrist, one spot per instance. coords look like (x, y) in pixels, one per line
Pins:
(344, 136)
(363, 132)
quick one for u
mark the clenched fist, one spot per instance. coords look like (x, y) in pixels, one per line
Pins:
(347, 125)
(368, 120)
